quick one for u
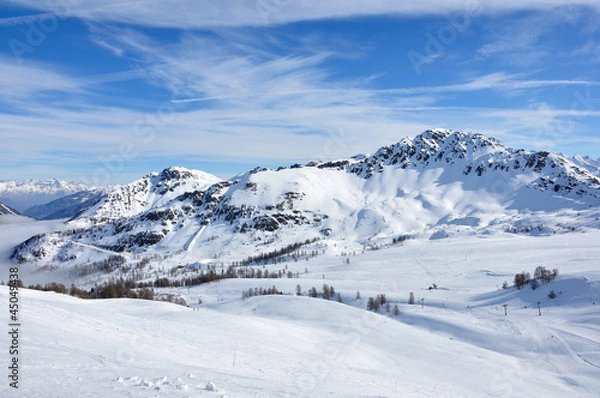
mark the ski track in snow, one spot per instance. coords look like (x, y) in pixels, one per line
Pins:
(193, 238)
(100, 250)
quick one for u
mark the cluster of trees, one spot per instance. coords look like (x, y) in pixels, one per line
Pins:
(116, 289)
(378, 302)
(18, 283)
(289, 250)
(108, 265)
(401, 239)
(327, 292)
(202, 277)
(258, 273)
(395, 241)
(172, 298)
(259, 291)
(540, 274)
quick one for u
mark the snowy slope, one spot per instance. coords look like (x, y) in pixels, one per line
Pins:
(22, 195)
(458, 343)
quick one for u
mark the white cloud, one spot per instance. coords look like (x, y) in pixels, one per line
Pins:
(234, 13)
(529, 39)
(26, 81)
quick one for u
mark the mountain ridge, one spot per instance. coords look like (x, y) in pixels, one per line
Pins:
(7, 210)
(438, 184)
(68, 206)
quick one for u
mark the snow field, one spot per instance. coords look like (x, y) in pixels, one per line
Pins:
(459, 344)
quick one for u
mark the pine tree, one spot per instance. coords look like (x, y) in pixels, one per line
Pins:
(298, 290)
(396, 310)
(358, 297)
(370, 304)
(326, 295)
(411, 298)
(339, 298)
(382, 299)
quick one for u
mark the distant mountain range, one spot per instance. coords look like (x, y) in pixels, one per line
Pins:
(439, 184)
(21, 195)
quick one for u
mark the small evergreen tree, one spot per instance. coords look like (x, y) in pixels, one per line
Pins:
(358, 297)
(382, 299)
(298, 290)
(411, 298)
(396, 310)
(370, 304)
(326, 295)
(376, 305)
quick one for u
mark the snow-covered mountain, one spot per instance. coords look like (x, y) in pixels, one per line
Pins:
(153, 191)
(68, 206)
(5, 210)
(589, 163)
(21, 195)
(439, 184)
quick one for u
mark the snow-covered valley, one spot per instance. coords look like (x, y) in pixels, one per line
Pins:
(456, 342)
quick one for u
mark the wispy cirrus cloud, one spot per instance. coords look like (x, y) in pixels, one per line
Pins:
(528, 39)
(203, 14)
(24, 82)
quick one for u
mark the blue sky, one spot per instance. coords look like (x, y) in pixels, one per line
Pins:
(105, 91)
